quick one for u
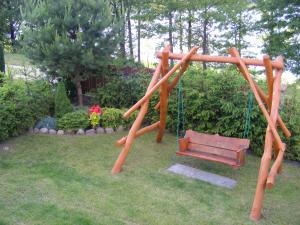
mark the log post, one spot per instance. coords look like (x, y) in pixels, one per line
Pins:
(140, 132)
(136, 125)
(163, 96)
(267, 156)
(269, 75)
(248, 77)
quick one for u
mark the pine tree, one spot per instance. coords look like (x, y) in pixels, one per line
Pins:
(70, 38)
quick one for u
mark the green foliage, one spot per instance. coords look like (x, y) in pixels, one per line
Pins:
(94, 119)
(122, 91)
(281, 25)
(21, 104)
(111, 117)
(291, 116)
(71, 38)
(73, 121)
(62, 102)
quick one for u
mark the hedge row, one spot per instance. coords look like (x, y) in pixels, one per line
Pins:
(111, 118)
(21, 105)
(215, 101)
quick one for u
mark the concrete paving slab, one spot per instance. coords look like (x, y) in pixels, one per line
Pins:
(202, 175)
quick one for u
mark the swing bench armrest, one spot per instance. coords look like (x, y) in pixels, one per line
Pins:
(183, 143)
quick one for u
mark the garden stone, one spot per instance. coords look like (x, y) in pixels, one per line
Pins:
(109, 130)
(80, 132)
(36, 130)
(100, 130)
(52, 131)
(44, 130)
(70, 132)
(60, 132)
(90, 132)
(5, 148)
(120, 129)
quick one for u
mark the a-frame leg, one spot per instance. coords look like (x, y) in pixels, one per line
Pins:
(163, 96)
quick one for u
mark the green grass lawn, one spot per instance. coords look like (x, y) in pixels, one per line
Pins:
(67, 180)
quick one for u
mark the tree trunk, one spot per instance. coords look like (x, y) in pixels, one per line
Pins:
(12, 34)
(170, 16)
(129, 32)
(190, 30)
(79, 92)
(180, 32)
(2, 60)
(205, 37)
(239, 39)
(139, 36)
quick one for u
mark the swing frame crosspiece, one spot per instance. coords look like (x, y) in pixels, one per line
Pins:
(269, 105)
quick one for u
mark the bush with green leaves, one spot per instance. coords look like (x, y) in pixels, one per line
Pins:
(113, 117)
(21, 105)
(74, 121)
(62, 102)
(122, 91)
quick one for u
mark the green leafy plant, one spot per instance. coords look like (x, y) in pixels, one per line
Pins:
(62, 102)
(94, 119)
(21, 104)
(73, 121)
(111, 117)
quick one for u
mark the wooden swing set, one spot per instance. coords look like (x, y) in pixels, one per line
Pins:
(226, 150)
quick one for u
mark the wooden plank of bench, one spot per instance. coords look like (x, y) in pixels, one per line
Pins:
(213, 150)
(217, 141)
(209, 157)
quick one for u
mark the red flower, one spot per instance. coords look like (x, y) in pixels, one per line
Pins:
(96, 109)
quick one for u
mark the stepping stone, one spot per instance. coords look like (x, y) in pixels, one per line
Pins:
(202, 175)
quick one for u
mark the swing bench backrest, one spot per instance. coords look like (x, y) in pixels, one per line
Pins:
(230, 151)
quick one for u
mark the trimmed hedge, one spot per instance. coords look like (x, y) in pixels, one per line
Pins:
(74, 121)
(21, 105)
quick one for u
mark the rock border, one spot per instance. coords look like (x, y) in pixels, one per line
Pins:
(79, 132)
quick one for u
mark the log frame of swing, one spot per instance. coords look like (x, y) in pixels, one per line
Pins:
(265, 179)
(163, 96)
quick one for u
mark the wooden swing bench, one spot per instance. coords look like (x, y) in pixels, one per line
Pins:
(215, 148)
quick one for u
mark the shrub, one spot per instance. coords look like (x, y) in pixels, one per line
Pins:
(73, 121)
(111, 117)
(62, 102)
(21, 104)
(121, 91)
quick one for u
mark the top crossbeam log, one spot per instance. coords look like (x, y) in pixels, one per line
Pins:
(222, 59)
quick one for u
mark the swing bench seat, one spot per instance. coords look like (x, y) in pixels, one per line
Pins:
(215, 148)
